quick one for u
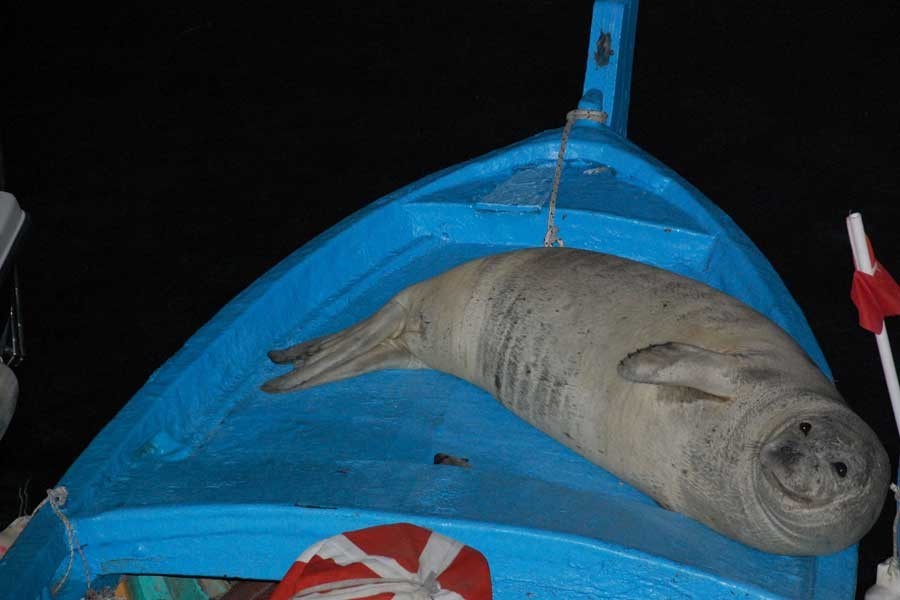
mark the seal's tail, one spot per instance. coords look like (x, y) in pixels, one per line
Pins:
(369, 345)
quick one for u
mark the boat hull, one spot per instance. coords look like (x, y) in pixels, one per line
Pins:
(203, 474)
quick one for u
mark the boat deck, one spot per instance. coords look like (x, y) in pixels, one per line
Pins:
(201, 469)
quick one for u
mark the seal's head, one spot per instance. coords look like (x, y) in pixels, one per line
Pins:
(777, 459)
(821, 476)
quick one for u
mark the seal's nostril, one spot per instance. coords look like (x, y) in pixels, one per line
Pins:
(805, 428)
(789, 454)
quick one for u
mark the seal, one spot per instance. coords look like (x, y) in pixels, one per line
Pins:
(684, 392)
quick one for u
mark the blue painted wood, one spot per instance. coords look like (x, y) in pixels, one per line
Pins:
(607, 79)
(202, 474)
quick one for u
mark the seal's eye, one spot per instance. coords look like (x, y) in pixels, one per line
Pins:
(840, 468)
(805, 428)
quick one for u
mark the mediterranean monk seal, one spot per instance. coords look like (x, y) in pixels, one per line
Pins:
(680, 390)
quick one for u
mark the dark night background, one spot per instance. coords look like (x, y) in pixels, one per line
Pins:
(168, 156)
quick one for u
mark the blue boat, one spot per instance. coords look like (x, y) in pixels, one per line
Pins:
(202, 474)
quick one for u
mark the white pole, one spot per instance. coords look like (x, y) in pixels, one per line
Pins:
(887, 581)
(864, 263)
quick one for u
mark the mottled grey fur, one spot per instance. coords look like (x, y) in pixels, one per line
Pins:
(684, 392)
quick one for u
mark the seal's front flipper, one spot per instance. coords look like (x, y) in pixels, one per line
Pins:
(370, 345)
(673, 363)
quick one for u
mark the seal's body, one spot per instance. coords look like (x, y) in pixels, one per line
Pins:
(684, 392)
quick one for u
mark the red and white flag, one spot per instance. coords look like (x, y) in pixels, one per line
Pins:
(387, 562)
(876, 296)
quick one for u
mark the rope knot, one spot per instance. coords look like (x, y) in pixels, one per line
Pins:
(597, 116)
(58, 496)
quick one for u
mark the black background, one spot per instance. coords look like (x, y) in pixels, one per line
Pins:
(168, 156)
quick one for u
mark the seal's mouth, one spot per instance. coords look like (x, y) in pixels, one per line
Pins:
(817, 475)
(818, 460)
(781, 463)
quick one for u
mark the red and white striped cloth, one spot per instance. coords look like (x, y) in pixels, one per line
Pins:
(387, 562)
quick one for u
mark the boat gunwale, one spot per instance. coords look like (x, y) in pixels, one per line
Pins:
(210, 517)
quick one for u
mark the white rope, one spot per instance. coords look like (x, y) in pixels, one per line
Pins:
(551, 238)
(56, 498)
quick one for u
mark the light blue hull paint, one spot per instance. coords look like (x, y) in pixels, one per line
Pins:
(202, 474)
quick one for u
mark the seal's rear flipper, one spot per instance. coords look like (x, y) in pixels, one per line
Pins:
(370, 345)
(673, 363)
(387, 322)
(387, 355)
